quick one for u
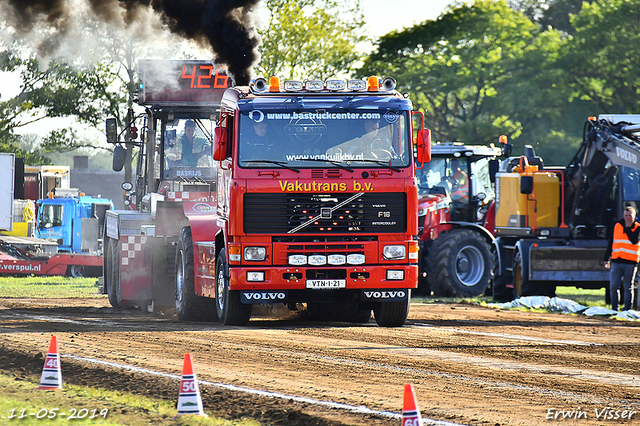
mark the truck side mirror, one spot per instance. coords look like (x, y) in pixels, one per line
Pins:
(423, 145)
(119, 157)
(526, 184)
(112, 130)
(220, 143)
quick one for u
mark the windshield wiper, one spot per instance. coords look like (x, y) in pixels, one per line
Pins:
(277, 163)
(381, 163)
(337, 163)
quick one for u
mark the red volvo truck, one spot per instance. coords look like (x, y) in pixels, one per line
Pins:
(293, 193)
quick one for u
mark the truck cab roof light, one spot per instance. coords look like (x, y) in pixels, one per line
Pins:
(314, 85)
(292, 86)
(335, 85)
(356, 85)
(274, 84)
(373, 84)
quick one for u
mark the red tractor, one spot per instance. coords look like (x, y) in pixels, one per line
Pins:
(456, 192)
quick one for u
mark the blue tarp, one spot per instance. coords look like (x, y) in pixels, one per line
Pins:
(555, 304)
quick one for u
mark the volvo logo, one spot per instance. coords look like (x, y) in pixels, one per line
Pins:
(626, 155)
(398, 294)
(325, 212)
(270, 296)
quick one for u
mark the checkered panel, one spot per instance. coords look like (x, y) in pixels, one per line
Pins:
(132, 247)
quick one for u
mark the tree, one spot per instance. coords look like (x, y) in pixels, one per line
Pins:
(555, 14)
(60, 90)
(600, 62)
(464, 70)
(310, 38)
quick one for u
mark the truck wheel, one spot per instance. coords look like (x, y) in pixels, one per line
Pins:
(392, 314)
(189, 306)
(522, 286)
(76, 271)
(112, 272)
(460, 264)
(231, 311)
(502, 293)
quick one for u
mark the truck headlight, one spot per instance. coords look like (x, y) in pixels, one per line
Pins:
(297, 259)
(257, 276)
(355, 259)
(255, 254)
(394, 252)
(395, 275)
(317, 260)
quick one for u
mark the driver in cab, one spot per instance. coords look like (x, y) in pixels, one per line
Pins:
(192, 147)
(261, 147)
(376, 142)
(461, 181)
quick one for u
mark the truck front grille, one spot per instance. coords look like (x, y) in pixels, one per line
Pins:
(303, 213)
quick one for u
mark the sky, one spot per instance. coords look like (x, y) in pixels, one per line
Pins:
(383, 16)
(380, 19)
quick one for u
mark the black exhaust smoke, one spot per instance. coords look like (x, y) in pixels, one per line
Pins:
(227, 26)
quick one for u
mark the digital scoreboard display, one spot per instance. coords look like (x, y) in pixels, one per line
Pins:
(181, 82)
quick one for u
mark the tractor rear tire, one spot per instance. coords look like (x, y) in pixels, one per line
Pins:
(460, 264)
(112, 271)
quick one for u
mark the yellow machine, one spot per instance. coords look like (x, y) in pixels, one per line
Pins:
(527, 199)
(552, 224)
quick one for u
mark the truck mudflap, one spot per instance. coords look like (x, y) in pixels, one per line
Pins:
(299, 296)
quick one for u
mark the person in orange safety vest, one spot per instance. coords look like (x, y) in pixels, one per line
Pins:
(623, 255)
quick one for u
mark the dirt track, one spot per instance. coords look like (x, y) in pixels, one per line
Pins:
(468, 364)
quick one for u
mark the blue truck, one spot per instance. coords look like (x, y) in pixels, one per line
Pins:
(76, 222)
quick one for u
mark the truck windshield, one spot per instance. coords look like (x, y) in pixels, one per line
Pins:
(50, 216)
(324, 139)
(187, 149)
(444, 175)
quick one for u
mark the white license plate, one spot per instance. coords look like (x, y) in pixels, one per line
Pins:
(326, 283)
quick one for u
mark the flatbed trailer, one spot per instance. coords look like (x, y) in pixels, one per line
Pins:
(37, 256)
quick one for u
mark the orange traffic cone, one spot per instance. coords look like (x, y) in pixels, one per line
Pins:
(51, 374)
(189, 399)
(410, 412)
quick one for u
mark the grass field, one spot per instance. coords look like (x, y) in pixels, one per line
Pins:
(20, 398)
(43, 287)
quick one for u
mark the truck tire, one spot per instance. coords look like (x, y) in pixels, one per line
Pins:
(189, 306)
(112, 272)
(76, 271)
(502, 293)
(231, 311)
(460, 264)
(522, 286)
(392, 314)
